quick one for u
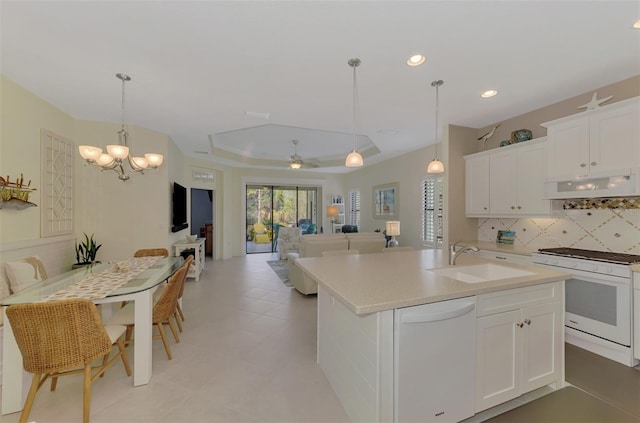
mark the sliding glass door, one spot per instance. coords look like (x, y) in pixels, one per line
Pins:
(271, 207)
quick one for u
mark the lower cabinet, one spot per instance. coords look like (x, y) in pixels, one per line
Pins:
(519, 342)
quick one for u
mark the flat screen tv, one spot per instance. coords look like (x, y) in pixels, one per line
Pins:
(179, 209)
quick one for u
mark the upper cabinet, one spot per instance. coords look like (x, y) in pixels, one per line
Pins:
(598, 142)
(477, 184)
(517, 181)
(507, 181)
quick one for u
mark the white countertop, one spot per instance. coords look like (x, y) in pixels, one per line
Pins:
(368, 283)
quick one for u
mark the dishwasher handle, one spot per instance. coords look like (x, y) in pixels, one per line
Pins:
(437, 316)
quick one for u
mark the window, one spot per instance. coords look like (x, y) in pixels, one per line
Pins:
(354, 208)
(432, 211)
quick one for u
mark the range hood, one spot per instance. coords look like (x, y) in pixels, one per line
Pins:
(621, 184)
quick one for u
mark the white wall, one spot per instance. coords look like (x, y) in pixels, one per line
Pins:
(123, 216)
(408, 171)
(21, 116)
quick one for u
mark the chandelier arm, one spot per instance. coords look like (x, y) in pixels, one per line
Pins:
(133, 165)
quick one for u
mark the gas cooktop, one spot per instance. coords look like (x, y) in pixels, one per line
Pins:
(606, 256)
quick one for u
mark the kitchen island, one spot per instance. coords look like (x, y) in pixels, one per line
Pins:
(359, 301)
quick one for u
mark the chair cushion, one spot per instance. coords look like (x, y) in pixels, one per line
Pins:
(115, 331)
(24, 273)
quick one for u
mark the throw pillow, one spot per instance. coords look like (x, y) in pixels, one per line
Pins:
(24, 273)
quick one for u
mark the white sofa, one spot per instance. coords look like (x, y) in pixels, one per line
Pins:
(315, 245)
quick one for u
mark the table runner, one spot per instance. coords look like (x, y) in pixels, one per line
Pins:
(98, 286)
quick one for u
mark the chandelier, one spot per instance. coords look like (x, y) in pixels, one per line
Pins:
(436, 166)
(354, 159)
(118, 154)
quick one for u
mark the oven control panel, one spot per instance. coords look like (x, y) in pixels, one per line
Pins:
(590, 266)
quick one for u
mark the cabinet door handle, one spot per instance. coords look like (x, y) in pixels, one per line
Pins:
(519, 207)
(593, 163)
(527, 321)
(484, 208)
(583, 165)
(512, 207)
(520, 324)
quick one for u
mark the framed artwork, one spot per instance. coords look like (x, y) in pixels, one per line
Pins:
(385, 201)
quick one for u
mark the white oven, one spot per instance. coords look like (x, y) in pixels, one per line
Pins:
(598, 305)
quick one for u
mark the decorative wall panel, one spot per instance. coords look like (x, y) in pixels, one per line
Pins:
(57, 184)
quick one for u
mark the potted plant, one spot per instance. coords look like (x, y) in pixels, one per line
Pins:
(86, 251)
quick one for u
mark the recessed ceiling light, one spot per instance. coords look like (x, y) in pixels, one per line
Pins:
(416, 60)
(636, 25)
(489, 93)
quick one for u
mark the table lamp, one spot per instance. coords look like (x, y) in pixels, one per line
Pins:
(332, 213)
(393, 230)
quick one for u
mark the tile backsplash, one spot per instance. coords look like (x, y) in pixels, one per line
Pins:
(607, 229)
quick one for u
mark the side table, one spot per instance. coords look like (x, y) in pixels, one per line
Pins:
(198, 263)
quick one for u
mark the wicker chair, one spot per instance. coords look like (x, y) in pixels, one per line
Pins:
(150, 252)
(163, 310)
(57, 337)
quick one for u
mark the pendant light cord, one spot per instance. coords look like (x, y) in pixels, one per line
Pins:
(437, 84)
(355, 90)
(124, 114)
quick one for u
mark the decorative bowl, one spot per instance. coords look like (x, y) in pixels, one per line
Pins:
(192, 238)
(521, 135)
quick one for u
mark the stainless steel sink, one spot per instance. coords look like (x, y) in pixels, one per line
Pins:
(480, 273)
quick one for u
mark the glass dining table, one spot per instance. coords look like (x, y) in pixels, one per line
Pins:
(97, 281)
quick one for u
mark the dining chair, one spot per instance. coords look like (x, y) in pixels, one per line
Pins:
(61, 338)
(152, 252)
(163, 310)
(179, 315)
(149, 252)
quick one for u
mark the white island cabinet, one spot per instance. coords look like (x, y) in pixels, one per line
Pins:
(519, 342)
(360, 299)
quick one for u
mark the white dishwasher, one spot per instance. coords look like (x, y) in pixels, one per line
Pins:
(434, 361)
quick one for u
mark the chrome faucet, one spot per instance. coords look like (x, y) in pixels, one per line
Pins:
(453, 254)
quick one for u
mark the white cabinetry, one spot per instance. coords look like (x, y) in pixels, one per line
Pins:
(198, 260)
(516, 181)
(597, 142)
(477, 184)
(519, 342)
(507, 181)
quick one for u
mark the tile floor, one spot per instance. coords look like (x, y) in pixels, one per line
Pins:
(247, 355)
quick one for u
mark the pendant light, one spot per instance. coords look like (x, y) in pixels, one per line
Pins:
(436, 166)
(354, 159)
(117, 155)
